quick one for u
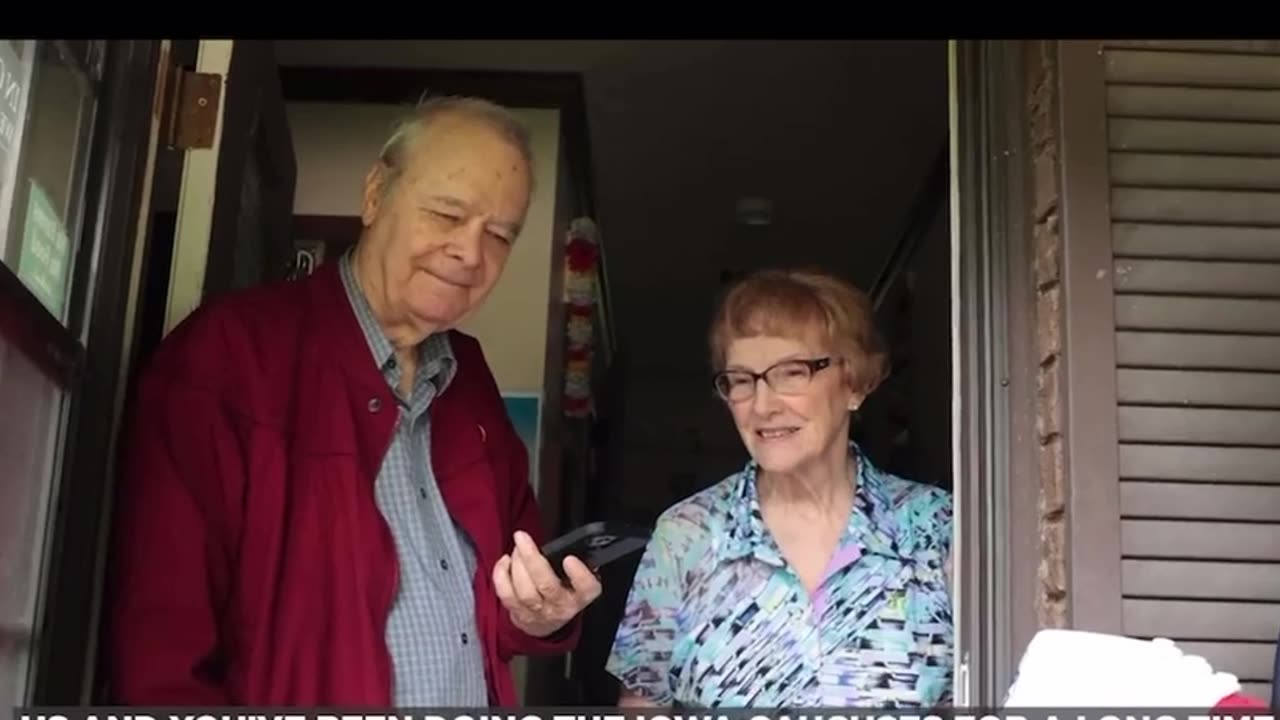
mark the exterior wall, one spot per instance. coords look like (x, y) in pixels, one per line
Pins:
(1051, 593)
(1156, 268)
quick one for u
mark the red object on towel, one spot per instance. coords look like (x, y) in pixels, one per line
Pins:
(1239, 700)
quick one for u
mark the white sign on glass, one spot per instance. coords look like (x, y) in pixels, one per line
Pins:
(15, 85)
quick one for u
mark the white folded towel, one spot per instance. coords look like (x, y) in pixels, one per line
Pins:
(1076, 668)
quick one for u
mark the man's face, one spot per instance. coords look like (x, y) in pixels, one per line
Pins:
(440, 234)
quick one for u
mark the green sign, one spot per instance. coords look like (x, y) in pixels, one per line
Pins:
(12, 103)
(43, 264)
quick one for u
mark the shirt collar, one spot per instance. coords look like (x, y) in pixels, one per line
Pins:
(872, 525)
(436, 358)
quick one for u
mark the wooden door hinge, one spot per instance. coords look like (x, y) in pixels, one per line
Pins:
(191, 112)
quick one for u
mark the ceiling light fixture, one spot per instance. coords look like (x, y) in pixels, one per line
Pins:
(755, 211)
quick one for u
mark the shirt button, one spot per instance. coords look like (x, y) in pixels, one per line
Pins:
(423, 493)
(465, 640)
(374, 405)
(444, 565)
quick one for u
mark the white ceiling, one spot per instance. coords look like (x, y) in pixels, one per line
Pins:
(838, 134)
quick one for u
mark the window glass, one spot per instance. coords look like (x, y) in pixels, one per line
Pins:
(29, 439)
(48, 98)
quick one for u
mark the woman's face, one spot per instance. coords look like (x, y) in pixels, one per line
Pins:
(792, 430)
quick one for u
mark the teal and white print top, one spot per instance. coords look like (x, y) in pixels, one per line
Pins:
(717, 618)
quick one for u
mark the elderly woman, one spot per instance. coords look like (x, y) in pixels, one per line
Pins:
(810, 577)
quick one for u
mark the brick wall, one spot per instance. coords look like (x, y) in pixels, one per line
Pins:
(1051, 602)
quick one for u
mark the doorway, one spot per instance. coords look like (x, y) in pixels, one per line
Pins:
(669, 218)
(932, 260)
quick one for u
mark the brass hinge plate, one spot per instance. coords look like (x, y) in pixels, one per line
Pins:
(193, 101)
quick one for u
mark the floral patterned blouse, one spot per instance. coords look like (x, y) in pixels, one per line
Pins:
(717, 618)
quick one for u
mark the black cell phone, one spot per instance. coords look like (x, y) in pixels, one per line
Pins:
(596, 544)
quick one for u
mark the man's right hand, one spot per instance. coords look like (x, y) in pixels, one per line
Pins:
(539, 603)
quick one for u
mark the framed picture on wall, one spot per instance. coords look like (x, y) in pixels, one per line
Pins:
(525, 411)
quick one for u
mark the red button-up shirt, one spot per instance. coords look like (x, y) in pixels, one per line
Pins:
(250, 563)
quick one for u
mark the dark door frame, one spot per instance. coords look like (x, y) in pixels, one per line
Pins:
(996, 464)
(255, 136)
(998, 451)
(63, 663)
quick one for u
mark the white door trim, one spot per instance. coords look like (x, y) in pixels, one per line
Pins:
(195, 201)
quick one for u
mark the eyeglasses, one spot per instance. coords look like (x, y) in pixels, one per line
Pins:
(789, 377)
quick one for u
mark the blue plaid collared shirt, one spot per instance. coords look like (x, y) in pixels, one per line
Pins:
(435, 647)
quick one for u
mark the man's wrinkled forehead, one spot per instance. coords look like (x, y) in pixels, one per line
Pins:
(457, 142)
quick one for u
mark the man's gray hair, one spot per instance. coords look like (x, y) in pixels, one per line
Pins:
(429, 109)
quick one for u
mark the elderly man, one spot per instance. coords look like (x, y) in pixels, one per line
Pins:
(322, 501)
